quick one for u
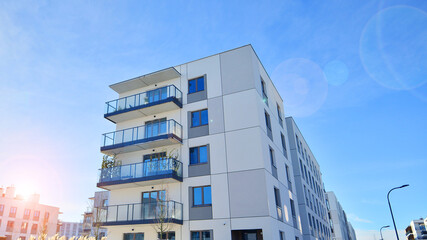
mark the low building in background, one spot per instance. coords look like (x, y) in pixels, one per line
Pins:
(416, 230)
(70, 229)
(92, 215)
(22, 218)
(341, 229)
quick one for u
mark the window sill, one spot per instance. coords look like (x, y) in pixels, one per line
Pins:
(197, 164)
(195, 92)
(200, 125)
(204, 205)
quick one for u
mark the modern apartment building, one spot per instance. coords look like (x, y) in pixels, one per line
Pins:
(22, 218)
(70, 229)
(352, 233)
(340, 227)
(93, 215)
(203, 148)
(309, 186)
(416, 230)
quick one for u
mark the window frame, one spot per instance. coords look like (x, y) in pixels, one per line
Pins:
(24, 230)
(34, 227)
(200, 117)
(197, 84)
(10, 226)
(264, 90)
(201, 234)
(267, 120)
(13, 214)
(198, 155)
(27, 216)
(285, 151)
(279, 114)
(203, 204)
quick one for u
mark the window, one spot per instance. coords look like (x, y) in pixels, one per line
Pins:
(294, 214)
(278, 204)
(201, 235)
(288, 177)
(302, 168)
(24, 227)
(27, 213)
(9, 227)
(196, 85)
(199, 118)
(279, 114)
(285, 151)
(155, 128)
(12, 212)
(105, 202)
(202, 196)
(298, 147)
(34, 229)
(1, 209)
(133, 236)
(264, 91)
(272, 160)
(46, 216)
(267, 121)
(36, 215)
(305, 173)
(199, 155)
(167, 236)
(282, 235)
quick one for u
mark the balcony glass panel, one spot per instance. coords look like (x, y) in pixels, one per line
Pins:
(142, 132)
(144, 98)
(142, 211)
(140, 170)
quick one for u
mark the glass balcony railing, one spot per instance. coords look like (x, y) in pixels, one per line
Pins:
(142, 213)
(143, 99)
(140, 134)
(155, 169)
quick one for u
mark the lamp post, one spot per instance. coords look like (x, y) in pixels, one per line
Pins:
(391, 211)
(382, 229)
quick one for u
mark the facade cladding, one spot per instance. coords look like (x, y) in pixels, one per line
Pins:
(206, 142)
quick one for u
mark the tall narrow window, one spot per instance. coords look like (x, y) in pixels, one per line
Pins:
(288, 177)
(264, 91)
(282, 235)
(198, 155)
(196, 85)
(46, 216)
(27, 213)
(285, 151)
(199, 118)
(12, 212)
(278, 204)
(279, 114)
(268, 125)
(9, 226)
(36, 215)
(24, 227)
(1, 209)
(298, 147)
(202, 196)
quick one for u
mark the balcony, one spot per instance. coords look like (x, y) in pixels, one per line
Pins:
(142, 213)
(156, 134)
(143, 104)
(141, 174)
(146, 80)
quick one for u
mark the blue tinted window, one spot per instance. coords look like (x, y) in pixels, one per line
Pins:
(203, 154)
(207, 195)
(192, 86)
(206, 235)
(197, 196)
(194, 155)
(196, 85)
(204, 116)
(195, 236)
(195, 119)
(201, 84)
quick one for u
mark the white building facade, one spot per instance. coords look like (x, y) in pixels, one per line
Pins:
(203, 146)
(22, 218)
(340, 227)
(71, 229)
(309, 186)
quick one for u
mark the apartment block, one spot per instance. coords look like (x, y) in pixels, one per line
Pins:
(203, 148)
(95, 212)
(309, 186)
(22, 218)
(416, 229)
(70, 229)
(341, 229)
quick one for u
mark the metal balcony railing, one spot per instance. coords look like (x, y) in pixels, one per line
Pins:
(139, 171)
(141, 133)
(143, 99)
(142, 213)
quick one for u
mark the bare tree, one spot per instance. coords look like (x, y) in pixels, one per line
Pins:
(43, 230)
(162, 222)
(98, 215)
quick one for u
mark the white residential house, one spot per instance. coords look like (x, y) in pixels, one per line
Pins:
(207, 141)
(341, 228)
(70, 229)
(22, 218)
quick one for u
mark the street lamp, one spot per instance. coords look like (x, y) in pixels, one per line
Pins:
(382, 229)
(391, 211)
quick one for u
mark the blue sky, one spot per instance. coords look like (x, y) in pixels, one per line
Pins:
(352, 73)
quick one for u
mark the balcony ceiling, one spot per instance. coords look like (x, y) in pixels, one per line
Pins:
(146, 80)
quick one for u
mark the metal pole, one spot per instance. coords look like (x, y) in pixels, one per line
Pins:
(391, 211)
(382, 229)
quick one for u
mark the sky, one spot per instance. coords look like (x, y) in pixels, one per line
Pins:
(351, 73)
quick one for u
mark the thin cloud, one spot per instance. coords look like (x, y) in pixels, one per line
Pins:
(358, 219)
